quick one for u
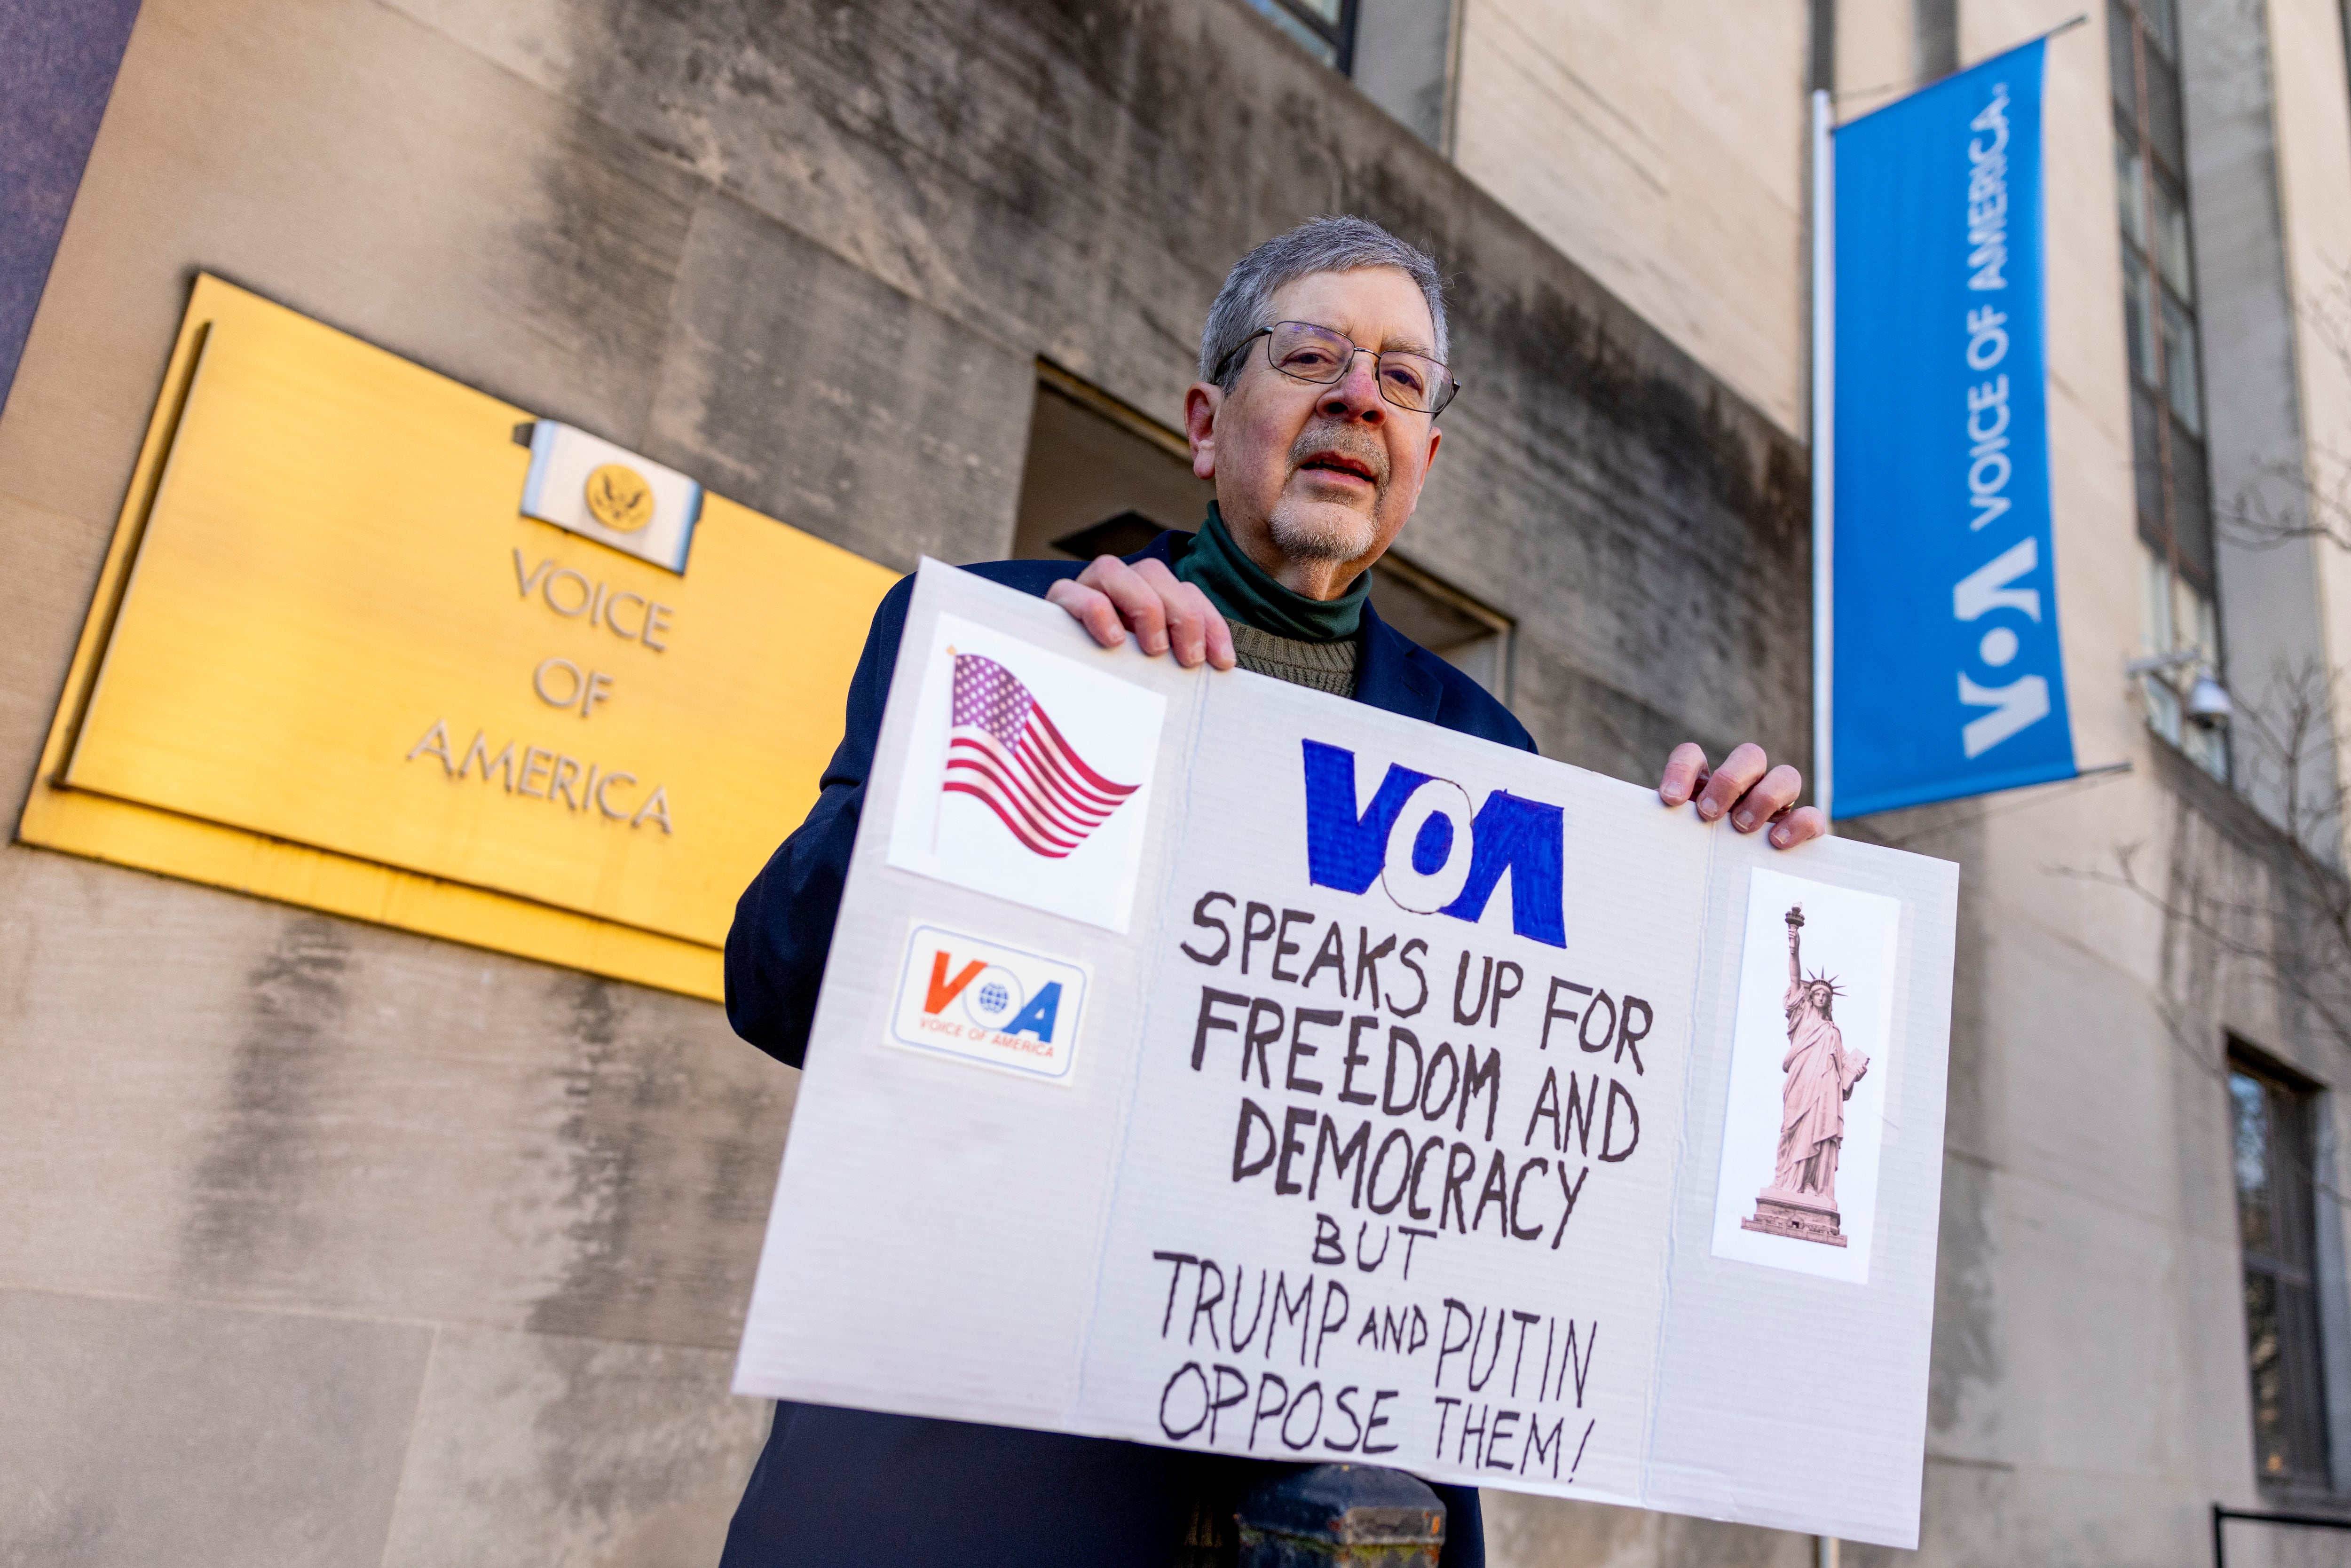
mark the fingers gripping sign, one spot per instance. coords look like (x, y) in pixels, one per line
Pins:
(1111, 598)
(1747, 788)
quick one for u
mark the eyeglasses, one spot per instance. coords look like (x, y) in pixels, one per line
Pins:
(1305, 353)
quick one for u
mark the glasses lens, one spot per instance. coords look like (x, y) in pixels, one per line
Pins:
(1408, 381)
(1309, 352)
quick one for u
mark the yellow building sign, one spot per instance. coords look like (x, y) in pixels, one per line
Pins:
(333, 661)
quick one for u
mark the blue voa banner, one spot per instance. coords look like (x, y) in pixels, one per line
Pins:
(1945, 661)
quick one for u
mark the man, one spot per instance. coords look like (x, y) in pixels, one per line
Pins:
(1322, 376)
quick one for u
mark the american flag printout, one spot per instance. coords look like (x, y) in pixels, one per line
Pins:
(1060, 754)
(1003, 750)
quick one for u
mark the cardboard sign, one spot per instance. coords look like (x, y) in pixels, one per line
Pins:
(1213, 1063)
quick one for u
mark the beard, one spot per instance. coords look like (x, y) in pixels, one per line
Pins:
(1321, 531)
(1310, 529)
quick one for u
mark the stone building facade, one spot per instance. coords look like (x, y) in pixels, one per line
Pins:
(330, 1243)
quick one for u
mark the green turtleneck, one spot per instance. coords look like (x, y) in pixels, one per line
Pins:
(1247, 593)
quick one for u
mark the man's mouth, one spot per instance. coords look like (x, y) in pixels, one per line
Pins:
(1339, 463)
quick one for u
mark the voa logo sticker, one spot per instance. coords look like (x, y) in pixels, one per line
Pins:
(1004, 1006)
(1420, 838)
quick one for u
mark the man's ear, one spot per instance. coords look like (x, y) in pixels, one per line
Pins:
(1201, 401)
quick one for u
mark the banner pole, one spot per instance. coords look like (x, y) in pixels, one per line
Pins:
(1823, 441)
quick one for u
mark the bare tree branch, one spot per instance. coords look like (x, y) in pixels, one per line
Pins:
(2315, 493)
(2284, 908)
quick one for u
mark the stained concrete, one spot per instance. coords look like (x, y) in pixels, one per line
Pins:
(148, 1431)
(1074, 182)
(548, 1449)
(1662, 146)
(797, 383)
(368, 1122)
(2273, 616)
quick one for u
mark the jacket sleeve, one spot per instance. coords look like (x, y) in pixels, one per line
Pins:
(783, 923)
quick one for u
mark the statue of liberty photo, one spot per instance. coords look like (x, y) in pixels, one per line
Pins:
(1821, 1074)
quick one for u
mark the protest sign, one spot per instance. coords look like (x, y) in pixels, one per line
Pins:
(1210, 1063)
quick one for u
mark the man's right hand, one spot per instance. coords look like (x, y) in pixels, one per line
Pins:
(1110, 599)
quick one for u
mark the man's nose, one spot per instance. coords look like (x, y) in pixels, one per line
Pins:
(1356, 394)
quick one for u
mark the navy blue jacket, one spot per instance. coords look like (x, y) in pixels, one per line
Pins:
(841, 1489)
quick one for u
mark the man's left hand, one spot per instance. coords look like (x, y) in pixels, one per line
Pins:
(1747, 788)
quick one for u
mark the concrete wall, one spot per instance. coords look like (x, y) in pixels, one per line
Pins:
(326, 1244)
(1663, 148)
(2275, 622)
(2312, 111)
(2311, 114)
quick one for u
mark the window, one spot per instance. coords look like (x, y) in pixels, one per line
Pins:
(1402, 53)
(1472, 637)
(2172, 495)
(1325, 27)
(1101, 477)
(2179, 621)
(2271, 1125)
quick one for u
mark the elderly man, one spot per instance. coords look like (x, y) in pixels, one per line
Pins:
(1323, 372)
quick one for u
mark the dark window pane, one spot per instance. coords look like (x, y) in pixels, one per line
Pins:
(2162, 28)
(2298, 1360)
(2290, 1118)
(2139, 318)
(1322, 48)
(2268, 1148)
(2170, 238)
(2163, 115)
(1450, 624)
(1094, 484)
(2282, 1351)
(2249, 1106)
(2272, 1453)
(2118, 59)
(2146, 470)
(2191, 505)
(2130, 189)
(2179, 377)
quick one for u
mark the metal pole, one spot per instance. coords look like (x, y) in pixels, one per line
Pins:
(1823, 449)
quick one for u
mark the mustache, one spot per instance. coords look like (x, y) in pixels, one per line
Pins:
(1346, 441)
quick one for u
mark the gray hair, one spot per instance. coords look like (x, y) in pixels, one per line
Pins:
(1342, 244)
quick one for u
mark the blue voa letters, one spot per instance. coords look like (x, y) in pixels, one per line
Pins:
(1445, 861)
